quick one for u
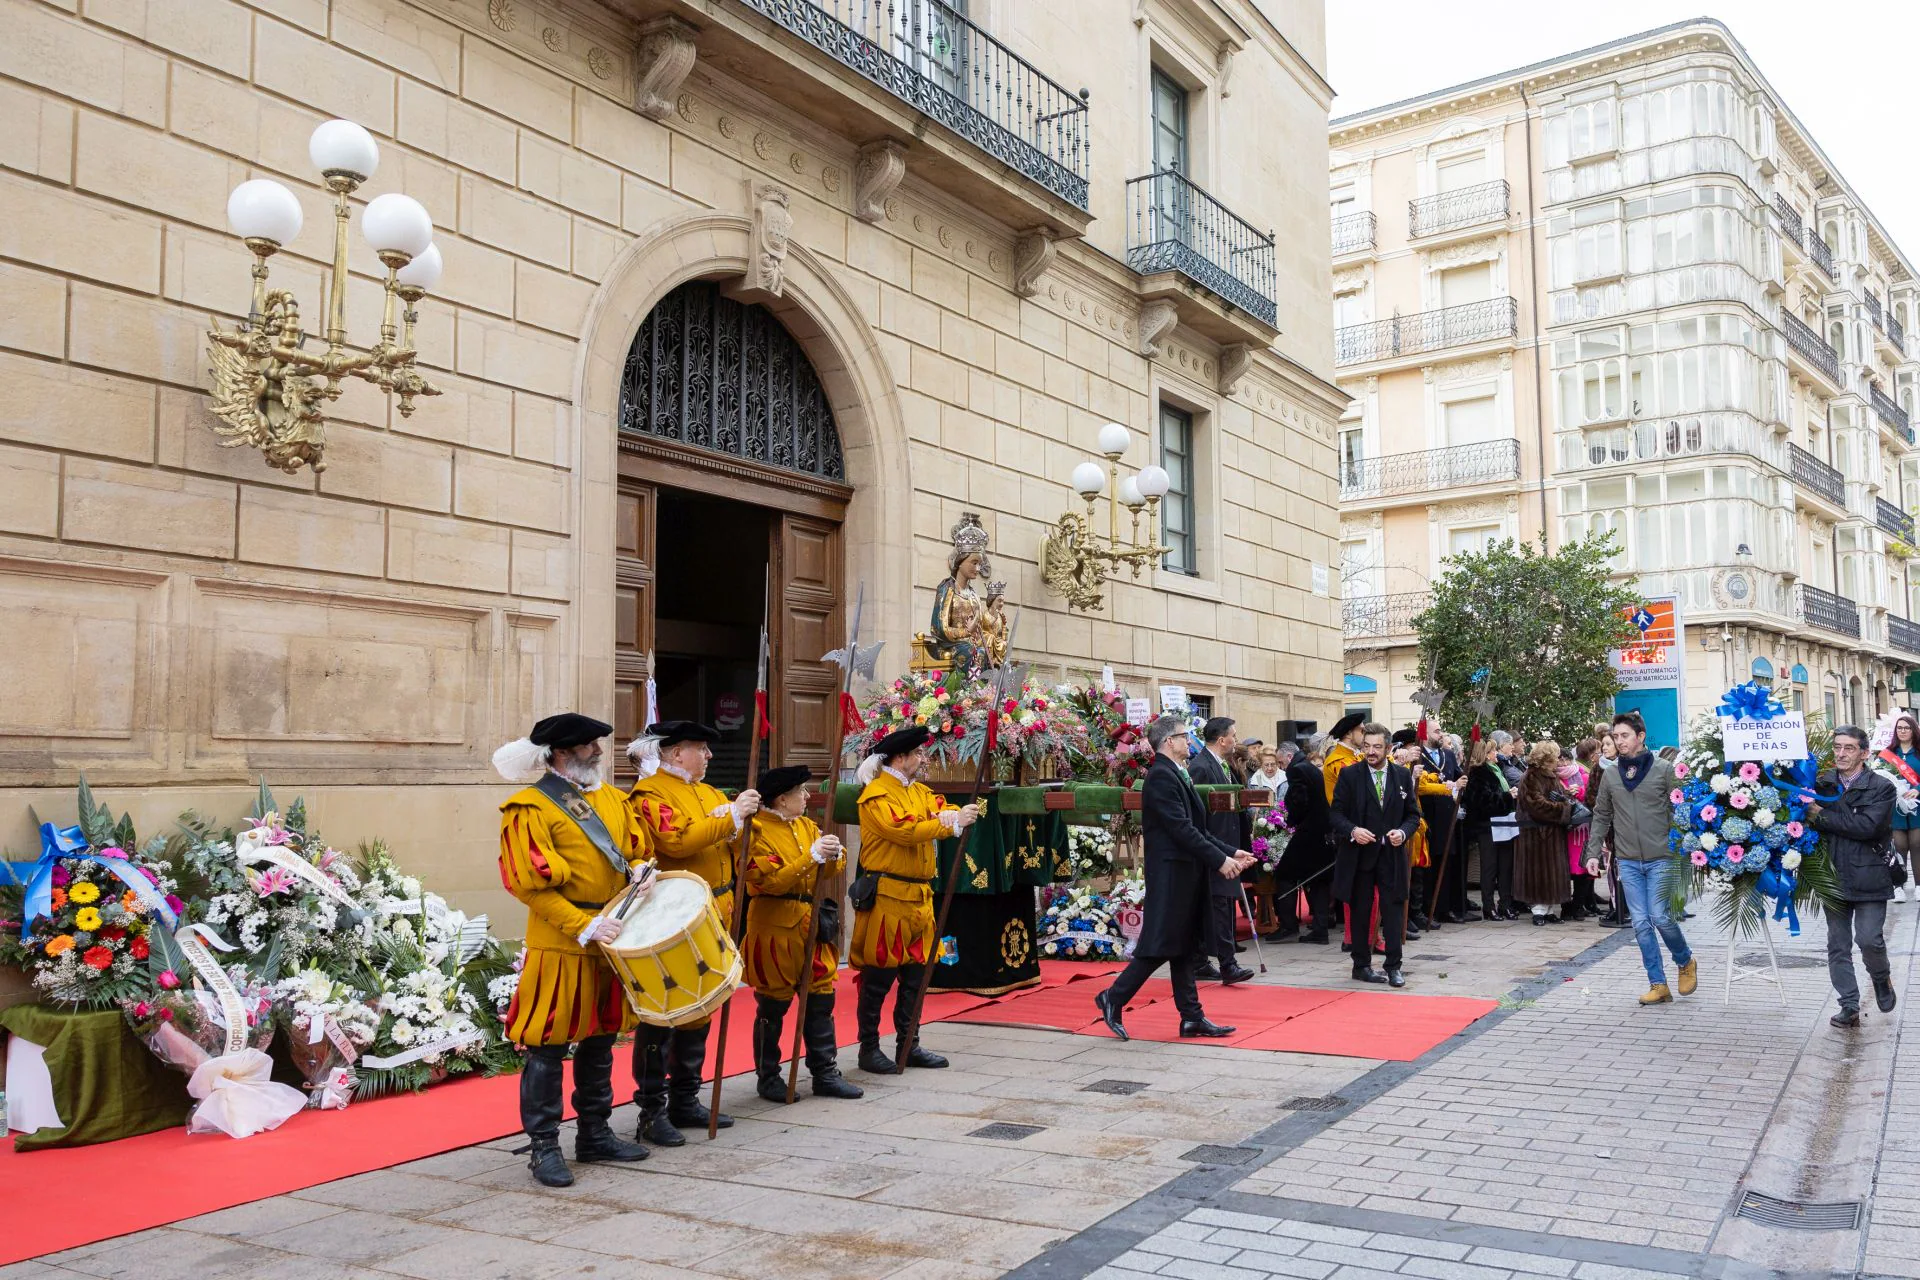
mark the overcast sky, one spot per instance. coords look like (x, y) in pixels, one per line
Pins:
(1847, 70)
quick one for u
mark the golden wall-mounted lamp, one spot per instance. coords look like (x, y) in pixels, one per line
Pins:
(1075, 561)
(268, 389)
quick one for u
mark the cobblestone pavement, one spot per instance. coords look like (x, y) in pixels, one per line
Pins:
(1569, 1134)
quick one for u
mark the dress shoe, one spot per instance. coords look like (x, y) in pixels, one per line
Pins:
(1689, 978)
(1238, 948)
(1369, 975)
(1451, 917)
(1317, 938)
(1206, 973)
(1474, 908)
(1538, 921)
(1395, 978)
(1346, 947)
(1425, 923)
(1239, 973)
(1549, 919)
(1508, 913)
(921, 1057)
(1883, 994)
(1204, 1028)
(1110, 1016)
(1657, 994)
(875, 1060)
(1281, 935)
(1844, 1018)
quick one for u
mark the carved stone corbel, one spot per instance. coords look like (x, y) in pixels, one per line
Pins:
(877, 174)
(1235, 359)
(1033, 253)
(1157, 319)
(666, 54)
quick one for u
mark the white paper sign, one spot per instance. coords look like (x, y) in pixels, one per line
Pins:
(1173, 697)
(1765, 740)
(1129, 920)
(1319, 578)
(1106, 679)
(1139, 712)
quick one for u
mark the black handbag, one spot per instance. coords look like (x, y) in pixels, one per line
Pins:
(864, 891)
(1896, 866)
(827, 923)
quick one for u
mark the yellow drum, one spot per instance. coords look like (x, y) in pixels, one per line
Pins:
(674, 955)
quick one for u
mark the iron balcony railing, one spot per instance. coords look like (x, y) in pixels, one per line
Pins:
(1380, 617)
(1893, 520)
(1875, 312)
(1834, 613)
(1426, 331)
(1897, 332)
(1903, 635)
(1173, 225)
(1890, 413)
(1810, 473)
(1461, 465)
(1430, 215)
(1811, 346)
(1822, 254)
(1790, 225)
(936, 61)
(1353, 233)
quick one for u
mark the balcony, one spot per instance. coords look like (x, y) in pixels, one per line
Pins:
(1815, 476)
(1460, 466)
(1173, 225)
(1811, 347)
(1791, 228)
(1426, 331)
(1903, 635)
(1890, 413)
(1893, 520)
(971, 106)
(1381, 617)
(1829, 612)
(1897, 334)
(1822, 254)
(1875, 312)
(1452, 210)
(1353, 233)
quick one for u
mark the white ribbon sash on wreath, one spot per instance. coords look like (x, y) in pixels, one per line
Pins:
(418, 1052)
(251, 847)
(208, 970)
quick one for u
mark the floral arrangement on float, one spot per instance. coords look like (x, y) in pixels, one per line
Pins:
(1271, 833)
(1116, 752)
(1036, 727)
(1076, 923)
(211, 940)
(1741, 838)
(1090, 852)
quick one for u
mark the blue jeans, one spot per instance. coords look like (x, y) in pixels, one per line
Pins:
(1645, 887)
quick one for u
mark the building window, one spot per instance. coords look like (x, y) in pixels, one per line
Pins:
(1590, 128)
(1169, 123)
(1353, 451)
(1459, 286)
(1467, 539)
(1201, 705)
(1356, 569)
(1472, 421)
(1457, 173)
(1177, 509)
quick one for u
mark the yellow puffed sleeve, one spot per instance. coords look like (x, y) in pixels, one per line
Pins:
(533, 872)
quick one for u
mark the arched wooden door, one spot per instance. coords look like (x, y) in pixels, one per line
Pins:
(721, 413)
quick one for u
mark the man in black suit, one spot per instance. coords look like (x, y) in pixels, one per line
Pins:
(1374, 815)
(1308, 862)
(1180, 856)
(1233, 828)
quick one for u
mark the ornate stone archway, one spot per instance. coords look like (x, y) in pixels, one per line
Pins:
(824, 319)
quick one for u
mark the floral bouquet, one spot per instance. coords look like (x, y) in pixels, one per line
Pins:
(1077, 924)
(79, 923)
(1882, 760)
(187, 1028)
(1741, 833)
(1035, 726)
(1271, 833)
(327, 1026)
(1089, 852)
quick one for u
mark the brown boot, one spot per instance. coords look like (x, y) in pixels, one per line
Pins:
(1689, 977)
(1657, 994)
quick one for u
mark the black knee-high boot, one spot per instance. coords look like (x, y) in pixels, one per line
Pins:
(911, 994)
(874, 984)
(686, 1063)
(593, 1104)
(540, 1112)
(823, 1051)
(769, 1021)
(650, 1087)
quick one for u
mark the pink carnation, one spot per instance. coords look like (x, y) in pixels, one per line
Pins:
(1735, 853)
(1709, 813)
(1749, 772)
(168, 979)
(1795, 830)
(1739, 800)
(1699, 857)
(1680, 769)
(1676, 796)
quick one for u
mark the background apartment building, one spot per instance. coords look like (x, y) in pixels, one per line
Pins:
(1625, 290)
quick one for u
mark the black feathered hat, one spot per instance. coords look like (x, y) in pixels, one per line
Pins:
(568, 729)
(902, 741)
(774, 783)
(1345, 725)
(1405, 738)
(673, 732)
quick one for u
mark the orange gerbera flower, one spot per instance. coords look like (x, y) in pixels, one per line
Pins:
(59, 946)
(129, 901)
(59, 899)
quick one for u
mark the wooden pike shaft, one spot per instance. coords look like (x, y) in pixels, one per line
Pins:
(745, 842)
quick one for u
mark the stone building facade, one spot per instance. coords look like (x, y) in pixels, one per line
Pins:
(1629, 292)
(894, 245)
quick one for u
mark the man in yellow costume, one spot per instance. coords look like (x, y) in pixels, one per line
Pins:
(900, 819)
(1346, 738)
(693, 827)
(569, 845)
(785, 946)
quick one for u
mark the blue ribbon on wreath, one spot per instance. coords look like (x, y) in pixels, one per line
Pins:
(1805, 776)
(1750, 701)
(1779, 884)
(68, 842)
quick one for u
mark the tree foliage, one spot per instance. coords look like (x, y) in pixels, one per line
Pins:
(1538, 625)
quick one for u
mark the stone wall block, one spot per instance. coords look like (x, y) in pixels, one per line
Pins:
(29, 491)
(506, 491)
(448, 553)
(88, 238)
(121, 506)
(303, 531)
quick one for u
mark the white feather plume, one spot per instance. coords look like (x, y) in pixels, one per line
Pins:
(644, 751)
(522, 761)
(870, 769)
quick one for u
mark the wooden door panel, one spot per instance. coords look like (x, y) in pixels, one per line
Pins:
(807, 621)
(633, 541)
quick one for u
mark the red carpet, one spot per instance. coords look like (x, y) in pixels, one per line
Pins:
(190, 1175)
(1349, 1024)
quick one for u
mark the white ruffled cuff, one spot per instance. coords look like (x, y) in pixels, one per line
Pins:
(951, 817)
(585, 936)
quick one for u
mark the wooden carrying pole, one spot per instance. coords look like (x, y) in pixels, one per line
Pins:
(1003, 682)
(744, 842)
(803, 985)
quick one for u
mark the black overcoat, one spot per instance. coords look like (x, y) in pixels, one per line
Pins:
(1180, 857)
(1354, 805)
(1308, 853)
(1234, 827)
(1858, 829)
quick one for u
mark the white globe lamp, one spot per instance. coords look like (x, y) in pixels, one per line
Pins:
(1089, 480)
(263, 210)
(1114, 439)
(341, 148)
(422, 273)
(1130, 495)
(1153, 482)
(397, 228)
